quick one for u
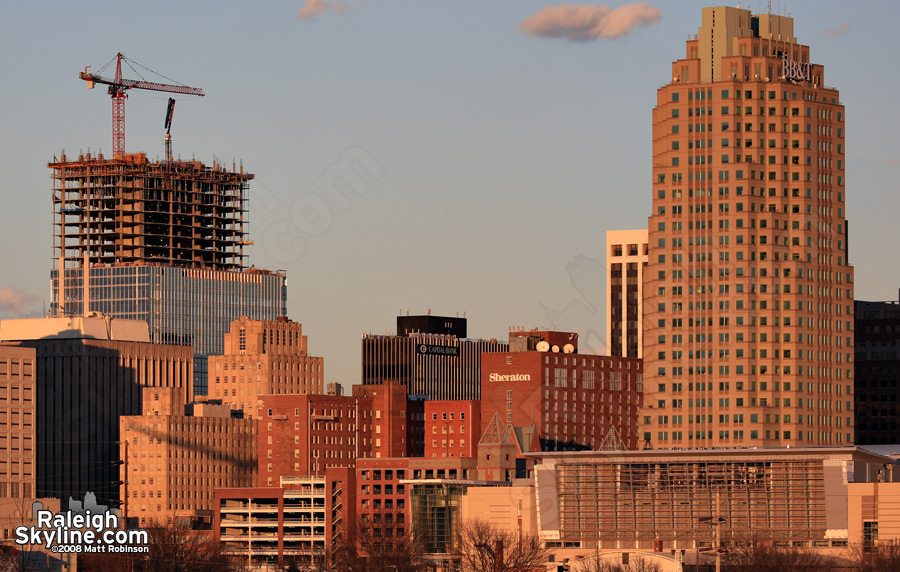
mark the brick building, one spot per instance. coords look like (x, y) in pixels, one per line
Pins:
(173, 462)
(304, 435)
(396, 427)
(384, 484)
(263, 357)
(17, 423)
(573, 400)
(452, 428)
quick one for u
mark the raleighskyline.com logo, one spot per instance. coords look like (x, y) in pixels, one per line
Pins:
(85, 531)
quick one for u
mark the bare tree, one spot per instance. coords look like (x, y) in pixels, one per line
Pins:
(767, 557)
(365, 550)
(169, 549)
(597, 563)
(485, 548)
(882, 557)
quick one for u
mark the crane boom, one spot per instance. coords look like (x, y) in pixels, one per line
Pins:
(134, 84)
(117, 89)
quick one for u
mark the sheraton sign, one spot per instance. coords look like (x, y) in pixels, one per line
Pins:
(510, 377)
(796, 71)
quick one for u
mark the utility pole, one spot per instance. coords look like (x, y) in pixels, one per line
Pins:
(716, 521)
(718, 536)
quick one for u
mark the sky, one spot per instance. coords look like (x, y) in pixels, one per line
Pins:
(462, 157)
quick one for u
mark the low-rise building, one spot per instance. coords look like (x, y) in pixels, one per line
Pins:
(300, 521)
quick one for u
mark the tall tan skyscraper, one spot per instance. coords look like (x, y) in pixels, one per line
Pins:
(748, 294)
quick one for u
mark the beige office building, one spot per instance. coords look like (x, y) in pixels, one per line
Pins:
(748, 292)
(174, 459)
(17, 423)
(626, 257)
(264, 357)
(87, 372)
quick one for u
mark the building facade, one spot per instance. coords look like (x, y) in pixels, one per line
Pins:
(304, 435)
(173, 462)
(263, 357)
(574, 400)
(665, 499)
(396, 419)
(183, 306)
(433, 362)
(452, 428)
(877, 372)
(748, 291)
(626, 257)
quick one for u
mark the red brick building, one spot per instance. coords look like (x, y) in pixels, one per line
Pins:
(303, 435)
(392, 432)
(452, 428)
(574, 400)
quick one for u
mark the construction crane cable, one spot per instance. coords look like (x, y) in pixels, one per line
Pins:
(132, 68)
(151, 71)
(106, 65)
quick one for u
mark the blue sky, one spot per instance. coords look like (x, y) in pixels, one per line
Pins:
(491, 162)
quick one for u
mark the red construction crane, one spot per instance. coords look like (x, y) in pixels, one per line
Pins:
(117, 89)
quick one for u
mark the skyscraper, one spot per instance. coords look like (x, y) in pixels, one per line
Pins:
(430, 355)
(626, 257)
(748, 315)
(877, 351)
(164, 242)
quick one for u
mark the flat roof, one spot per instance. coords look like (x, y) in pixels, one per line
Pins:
(706, 453)
(74, 327)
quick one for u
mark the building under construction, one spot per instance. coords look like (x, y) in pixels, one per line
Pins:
(132, 210)
(161, 242)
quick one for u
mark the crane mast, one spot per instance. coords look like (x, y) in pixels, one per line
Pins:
(118, 87)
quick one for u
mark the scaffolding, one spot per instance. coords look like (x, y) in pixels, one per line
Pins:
(131, 210)
(631, 505)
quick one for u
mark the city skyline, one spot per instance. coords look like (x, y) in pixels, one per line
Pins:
(486, 149)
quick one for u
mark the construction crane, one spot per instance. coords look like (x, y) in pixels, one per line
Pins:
(117, 88)
(170, 110)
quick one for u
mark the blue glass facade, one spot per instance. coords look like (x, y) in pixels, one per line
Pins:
(181, 305)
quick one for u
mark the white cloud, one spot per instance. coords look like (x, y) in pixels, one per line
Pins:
(842, 31)
(589, 22)
(15, 304)
(315, 7)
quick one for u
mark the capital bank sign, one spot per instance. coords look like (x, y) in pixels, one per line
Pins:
(510, 377)
(796, 71)
(434, 350)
